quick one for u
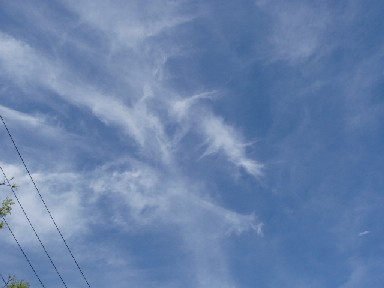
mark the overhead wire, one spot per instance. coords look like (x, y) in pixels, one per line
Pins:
(45, 205)
(22, 251)
(5, 282)
(33, 228)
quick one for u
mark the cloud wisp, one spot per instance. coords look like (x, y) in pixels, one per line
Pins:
(298, 29)
(145, 187)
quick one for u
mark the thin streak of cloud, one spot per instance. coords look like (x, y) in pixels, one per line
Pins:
(223, 138)
(25, 119)
(141, 104)
(141, 124)
(137, 121)
(181, 107)
(130, 31)
(364, 233)
(297, 29)
(155, 197)
(19, 61)
(148, 199)
(67, 207)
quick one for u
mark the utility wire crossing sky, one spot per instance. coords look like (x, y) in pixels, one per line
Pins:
(46, 208)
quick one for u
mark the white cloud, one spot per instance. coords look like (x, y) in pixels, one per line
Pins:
(22, 118)
(20, 63)
(145, 198)
(297, 30)
(223, 138)
(152, 192)
(42, 125)
(139, 120)
(130, 22)
(150, 196)
(363, 273)
(364, 233)
(181, 108)
(62, 194)
(218, 136)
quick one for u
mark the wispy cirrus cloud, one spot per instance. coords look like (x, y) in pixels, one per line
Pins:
(66, 206)
(154, 196)
(223, 138)
(131, 100)
(20, 62)
(139, 120)
(181, 108)
(297, 30)
(17, 116)
(141, 22)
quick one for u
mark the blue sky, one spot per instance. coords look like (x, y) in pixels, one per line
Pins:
(196, 143)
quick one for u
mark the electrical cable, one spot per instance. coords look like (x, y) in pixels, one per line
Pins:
(33, 228)
(6, 283)
(22, 251)
(45, 205)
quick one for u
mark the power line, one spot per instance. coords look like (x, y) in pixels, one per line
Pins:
(45, 205)
(33, 228)
(5, 282)
(22, 251)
